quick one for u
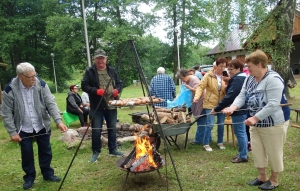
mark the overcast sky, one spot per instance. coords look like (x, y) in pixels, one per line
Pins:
(158, 30)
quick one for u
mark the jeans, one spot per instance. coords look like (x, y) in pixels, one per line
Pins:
(44, 154)
(200, 133)
(97, 122)
(210, 119)
(240, 132)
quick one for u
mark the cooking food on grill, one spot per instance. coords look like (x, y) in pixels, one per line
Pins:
(134, 101)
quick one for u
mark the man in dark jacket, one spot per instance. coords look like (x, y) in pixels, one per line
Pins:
(102, 81)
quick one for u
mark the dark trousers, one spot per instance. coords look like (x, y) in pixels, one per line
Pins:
(82, 116)
(111, 121)
(44, 154)
(248, 133)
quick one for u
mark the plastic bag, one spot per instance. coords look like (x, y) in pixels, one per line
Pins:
(184, 98)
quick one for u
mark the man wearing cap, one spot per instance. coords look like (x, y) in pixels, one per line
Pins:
(162, 86)
(101, 82)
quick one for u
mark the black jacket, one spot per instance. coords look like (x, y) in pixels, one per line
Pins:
(71, 106)
(233, 89)
(90, 84)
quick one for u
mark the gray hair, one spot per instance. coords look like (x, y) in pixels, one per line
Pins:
(161, 70)
(24, 67)
(182, 73)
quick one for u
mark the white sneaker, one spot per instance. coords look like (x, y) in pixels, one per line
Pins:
(207, 148)
(221, 146)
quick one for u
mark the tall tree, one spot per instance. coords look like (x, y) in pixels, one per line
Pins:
(189, 18)
(272, 22)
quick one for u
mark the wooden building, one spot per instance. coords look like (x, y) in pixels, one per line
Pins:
(236, 45)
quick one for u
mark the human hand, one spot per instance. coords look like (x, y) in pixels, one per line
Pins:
(100, 92)
(63, 128)
(195, 100)
(16, 138)
(187, 86)
(227, 111)
(213, 112)
(80, 110)
(251, 121)
(115, 93)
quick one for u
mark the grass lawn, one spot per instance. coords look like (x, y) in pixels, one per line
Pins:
(196, 168)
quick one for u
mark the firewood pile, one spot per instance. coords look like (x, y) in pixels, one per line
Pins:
(134, 131)
(167, 116)
(134, 101)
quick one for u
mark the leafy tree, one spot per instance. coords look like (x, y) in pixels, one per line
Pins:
(273, 28)
(189, 18)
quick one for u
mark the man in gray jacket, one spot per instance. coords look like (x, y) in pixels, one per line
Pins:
(26, 109)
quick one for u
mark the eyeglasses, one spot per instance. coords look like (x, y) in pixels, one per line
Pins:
(30, 77)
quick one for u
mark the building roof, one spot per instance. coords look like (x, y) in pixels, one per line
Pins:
(234, 42)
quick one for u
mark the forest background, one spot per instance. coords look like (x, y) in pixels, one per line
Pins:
(33, 29)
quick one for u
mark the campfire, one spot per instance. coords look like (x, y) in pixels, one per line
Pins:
(144, 157)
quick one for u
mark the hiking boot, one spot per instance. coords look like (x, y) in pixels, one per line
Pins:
(116, 153)
(94, 157)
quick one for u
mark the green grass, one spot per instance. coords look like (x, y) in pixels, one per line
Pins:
(197, 169)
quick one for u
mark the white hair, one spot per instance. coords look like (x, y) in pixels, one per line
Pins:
(161, 70)
(24, 67)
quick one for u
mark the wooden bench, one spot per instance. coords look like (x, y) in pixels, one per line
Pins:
(297, 110)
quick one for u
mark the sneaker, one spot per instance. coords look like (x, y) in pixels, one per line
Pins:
(221, 146)
(207, 148)
(116, 153)
(94, 157)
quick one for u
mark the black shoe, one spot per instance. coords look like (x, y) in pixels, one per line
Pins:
(28, 184)
(267, 186)
(239, 160)
(195, 143)
(255, 182)
(52, 179)
(237, 156)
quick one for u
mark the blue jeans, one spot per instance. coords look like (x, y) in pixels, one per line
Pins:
(210, 120)
(200, 133)
(44, 154)
(111, 121)
(240, 132)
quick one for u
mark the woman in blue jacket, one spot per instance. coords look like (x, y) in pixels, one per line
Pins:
(237, 77)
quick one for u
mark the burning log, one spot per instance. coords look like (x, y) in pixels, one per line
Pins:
(142, 157)
(138, 162)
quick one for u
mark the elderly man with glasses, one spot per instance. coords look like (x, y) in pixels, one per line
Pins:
(27, 107)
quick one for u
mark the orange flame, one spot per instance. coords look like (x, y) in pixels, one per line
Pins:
(142, 147)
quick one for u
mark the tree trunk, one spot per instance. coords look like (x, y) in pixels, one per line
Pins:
(175, 53)
(283, 42)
